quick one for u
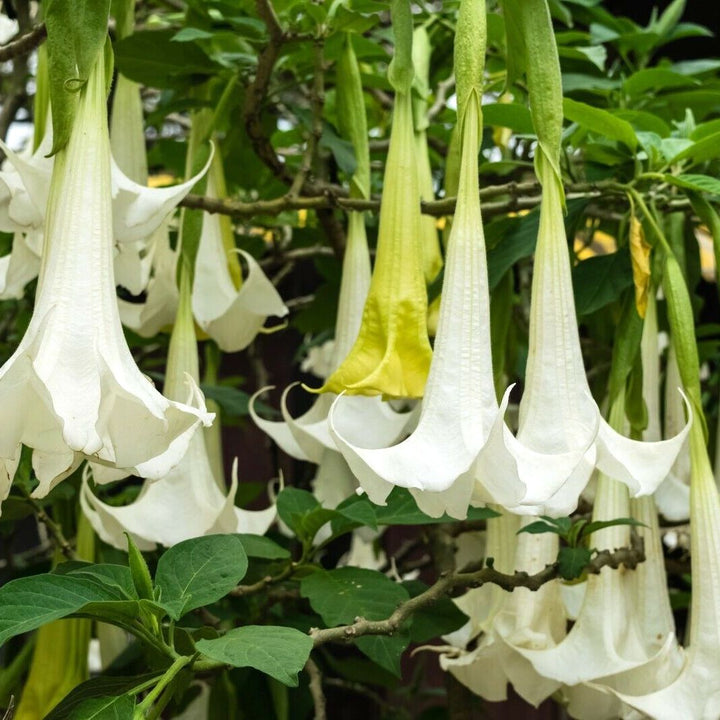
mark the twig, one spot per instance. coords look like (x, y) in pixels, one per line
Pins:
(24, 44)
(443, 87)
(17, 93)
(10, 712)
(316, 690)
(260, 585)
(630, 557)
(521, 196)
(53, 528)
(317, 100)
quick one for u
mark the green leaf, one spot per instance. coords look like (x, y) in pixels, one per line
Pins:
(115, 576)
(231, 400)
(77, 30)
(440, 618)
(257, 546)
(596, 525)
(600, 121)
(29, 602)
(341, 595)
(572, 561)
(71, 706)
(653, 79)
(107, 708)
(302, 513)
(139, 571)
(150, 57)
(511, 115)
(601, 280)
(280, 652)
(401, 509)
(699, 183)
(385, 650)
(538, 527)
(199, 571)
(705, 149)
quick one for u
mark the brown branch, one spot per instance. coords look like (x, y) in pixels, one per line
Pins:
(17, 92)
(630, 557)
(53, 528)
(260, 585)
(441, 95)
(24, 44)
(316, 691)
(522, 196)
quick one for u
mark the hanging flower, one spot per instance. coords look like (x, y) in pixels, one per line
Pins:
(230, 315)
(308, 436)
(187, 502)
(391, 355)
(695, 690)
(459, 406)
(526, 619)
(562, 436)
(72, 390)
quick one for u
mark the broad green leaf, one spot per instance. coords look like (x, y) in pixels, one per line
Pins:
(115, 576)
(601, 280)
(29, 602)
(653, 79)
(198, 572)
(280, 652)
(231, 400)
(354, 512)
(102, 687)
(385, 650)
(705, 149)
(699, 183)
(538, 527)
(600, 121)
(401, 509)
(572, 561)
(440, 618)
(511, 115)
(643, 121)
(107, 708)
(339, 596)
(150, 57)
(257, 546)
(302, 513)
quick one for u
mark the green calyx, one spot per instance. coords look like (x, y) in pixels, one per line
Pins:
(77, 31)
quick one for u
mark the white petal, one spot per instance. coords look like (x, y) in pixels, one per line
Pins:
(18, 268)
(640, 465)
(231, 317)
(138, 210)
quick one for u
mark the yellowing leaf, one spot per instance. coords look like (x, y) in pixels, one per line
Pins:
(640, 256)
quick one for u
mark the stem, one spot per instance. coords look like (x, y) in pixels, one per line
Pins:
(165, 680)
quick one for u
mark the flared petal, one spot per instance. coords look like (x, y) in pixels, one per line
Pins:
(138, 210)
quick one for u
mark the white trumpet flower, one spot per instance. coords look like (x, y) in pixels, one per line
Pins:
(187, 502)
(526, 620)
(229, 315)
(695, 690)
(459, 406)
(308, 436)
(72, 390)
(562, 436)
